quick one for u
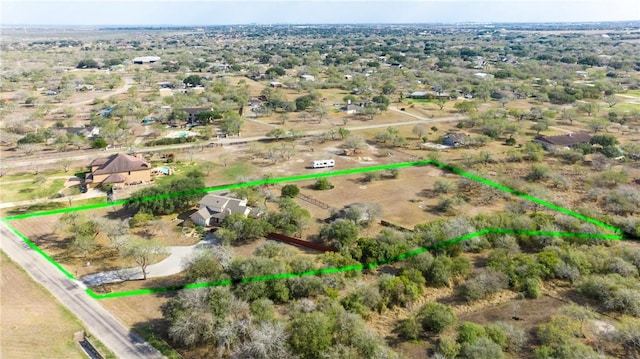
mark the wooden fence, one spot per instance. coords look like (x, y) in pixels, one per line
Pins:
(313, 201)
(300, 242)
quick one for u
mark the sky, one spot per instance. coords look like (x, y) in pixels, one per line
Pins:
(225, 12)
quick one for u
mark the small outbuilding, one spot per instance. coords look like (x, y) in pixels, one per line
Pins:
(455, 139)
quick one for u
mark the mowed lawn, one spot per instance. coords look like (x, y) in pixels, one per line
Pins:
(23, 191)
(32, 323)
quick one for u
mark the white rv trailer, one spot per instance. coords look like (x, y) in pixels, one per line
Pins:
(323, 163)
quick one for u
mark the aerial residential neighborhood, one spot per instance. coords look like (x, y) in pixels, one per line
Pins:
(420, 187)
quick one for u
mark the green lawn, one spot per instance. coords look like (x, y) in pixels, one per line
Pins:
(632, 92)
(30, 175)
(625, 106)
(26, 191)
(236, 170)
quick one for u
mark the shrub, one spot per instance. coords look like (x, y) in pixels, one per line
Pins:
(516, 336)
(497, 335)
(409, 328)
(483, 348)
(140, 219)
(435, 317)
(484, 284)
(470, 332)
(448, 348)
(32, 138)
(290, 191)
(398, 291)
(531, 287)
(99, 143)
(322, 184)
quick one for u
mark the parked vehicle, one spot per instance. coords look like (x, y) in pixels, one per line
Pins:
(323, 163)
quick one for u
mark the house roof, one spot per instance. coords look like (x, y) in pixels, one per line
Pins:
(117, 163)
(114, 178)
(202, 214)
(565, 140)
(352, 108)
(216, 203)
(146, 59)
(456, 137)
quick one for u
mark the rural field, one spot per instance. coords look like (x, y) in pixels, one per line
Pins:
(33, 324)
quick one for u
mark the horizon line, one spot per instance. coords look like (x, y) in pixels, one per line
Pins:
(8, 25)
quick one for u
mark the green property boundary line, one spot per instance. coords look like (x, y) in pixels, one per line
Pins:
(616, 236)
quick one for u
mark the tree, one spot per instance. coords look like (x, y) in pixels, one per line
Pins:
(590, 108)
(304, 102)
(354, 142)
(246, 228)
(320, 111)
(192, 80)
(341, 234)
(370, 111)
(290, 191)
(466, 107)
(143, 253)
(83, 232)
(232, 123)
(597, 125)
(420, 131)
(117, 231)
(310, 334)
(154, 200)
(275, 71)
(604, 140)
(540, 126)
(87, 64)
(204, 266)
(343, 132)
(435, 317)
(388, 88)
(277, 134)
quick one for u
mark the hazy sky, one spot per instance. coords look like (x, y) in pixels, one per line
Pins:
(220, 12)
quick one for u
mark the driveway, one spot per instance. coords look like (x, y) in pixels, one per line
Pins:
(168, 266)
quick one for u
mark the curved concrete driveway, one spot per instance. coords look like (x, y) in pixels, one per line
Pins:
(169, 266)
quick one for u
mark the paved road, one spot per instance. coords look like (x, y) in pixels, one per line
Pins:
(16, 162)
(100, 323)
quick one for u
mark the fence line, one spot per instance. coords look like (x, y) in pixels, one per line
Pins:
(299, 242)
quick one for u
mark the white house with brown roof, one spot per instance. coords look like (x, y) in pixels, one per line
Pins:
(215, 208)
(118, 168)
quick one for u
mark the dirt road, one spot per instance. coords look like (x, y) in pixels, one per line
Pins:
(128, 82)
(71, 294)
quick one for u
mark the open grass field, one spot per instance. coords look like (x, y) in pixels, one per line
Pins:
(33, 324)
(27, 190)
